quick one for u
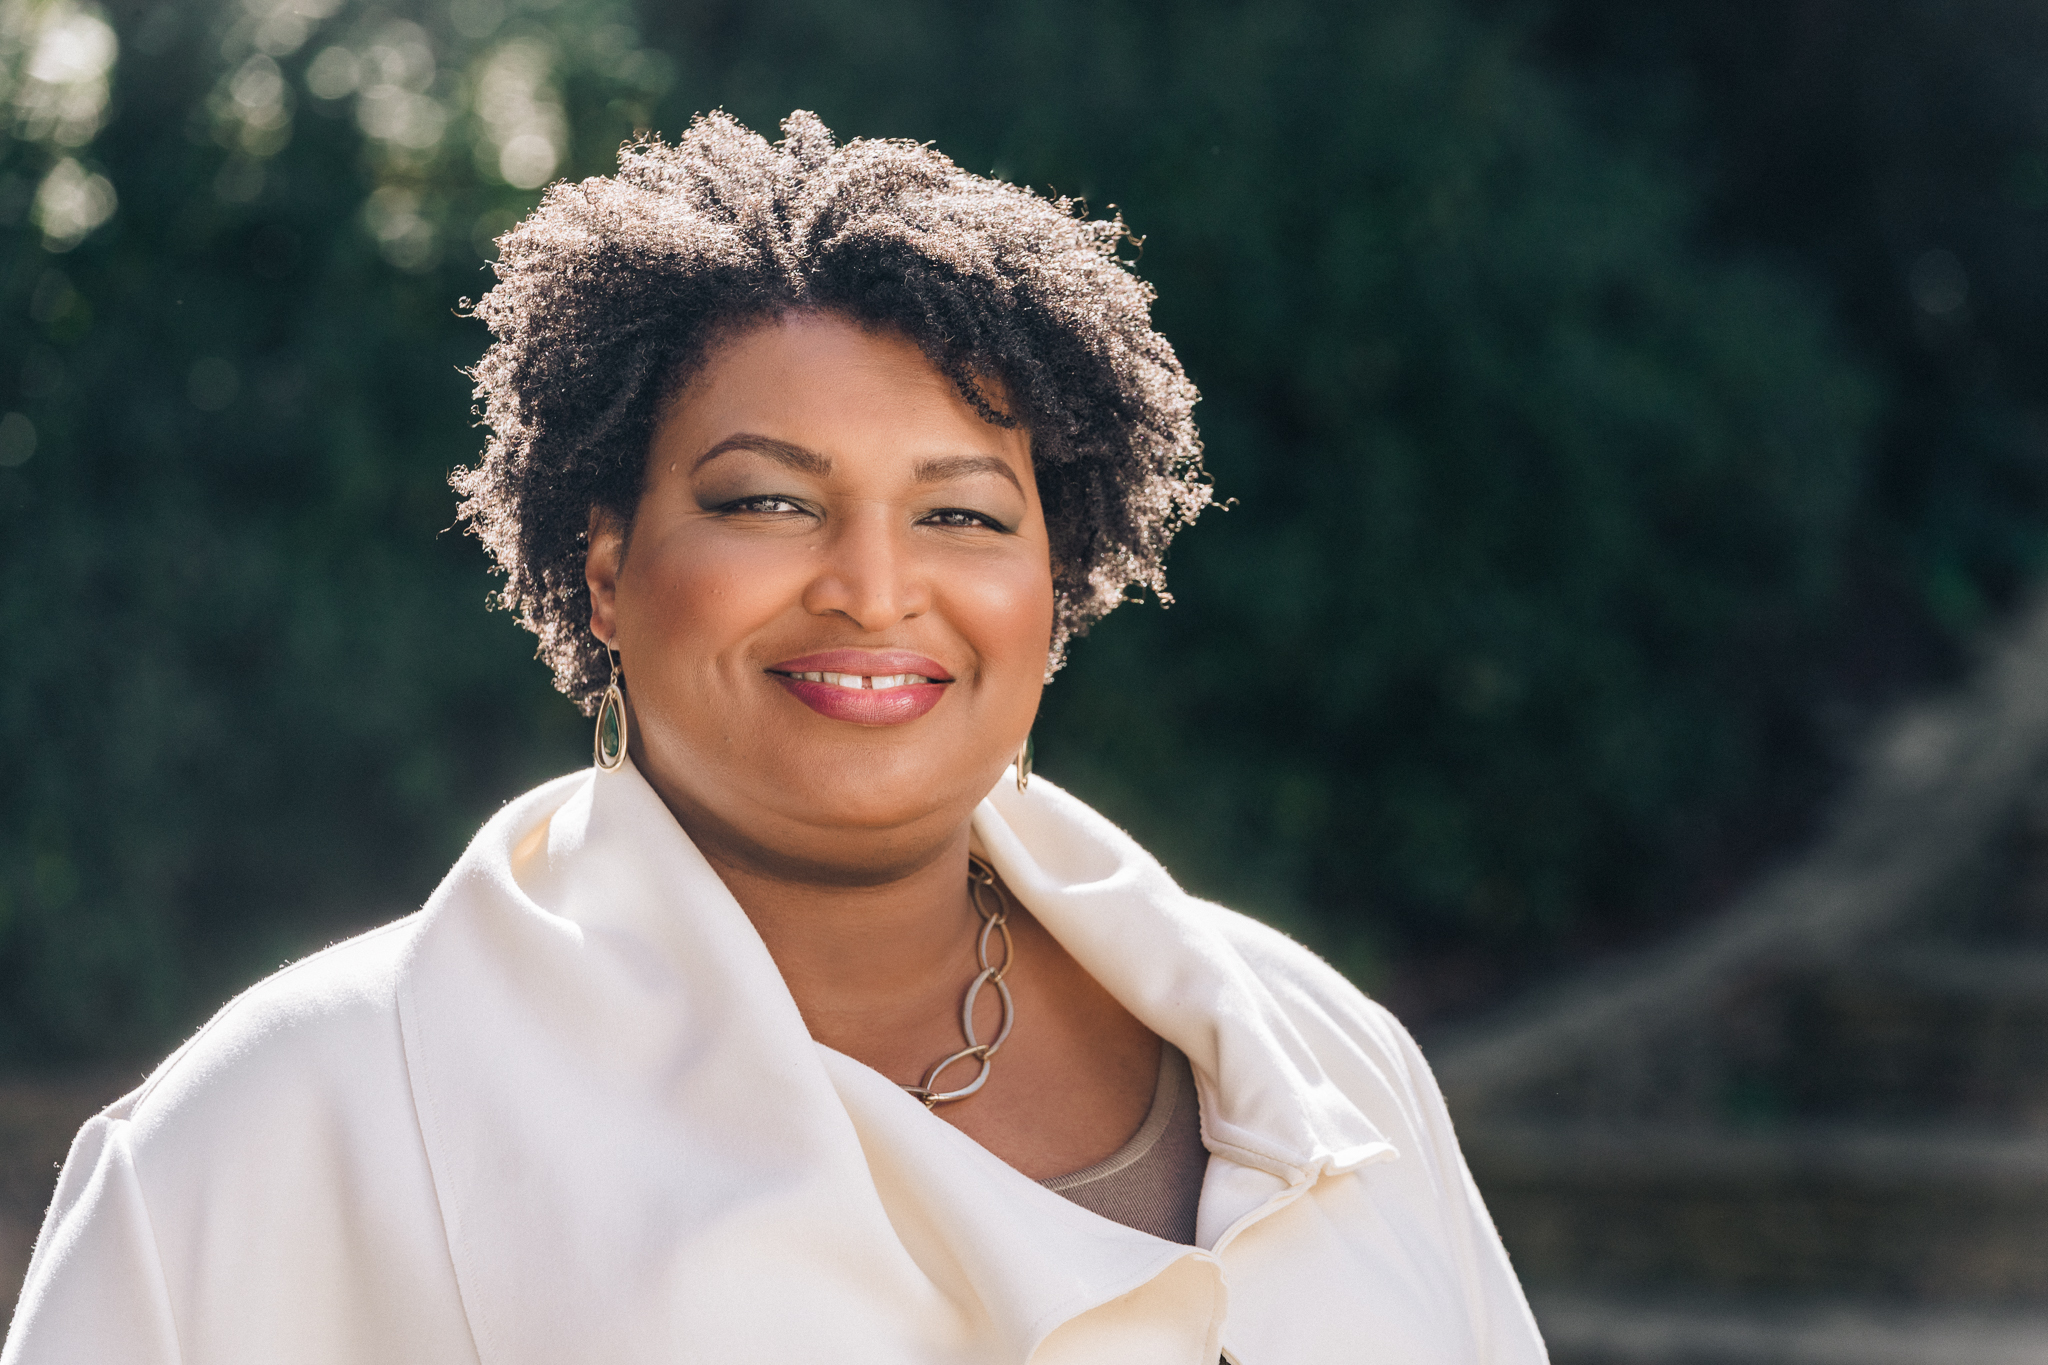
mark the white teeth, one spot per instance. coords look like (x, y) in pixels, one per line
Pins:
(858, 682)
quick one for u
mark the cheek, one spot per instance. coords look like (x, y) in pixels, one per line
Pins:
(695, 596)
(1007, 618)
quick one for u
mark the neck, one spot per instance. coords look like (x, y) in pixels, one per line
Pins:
(873, 967)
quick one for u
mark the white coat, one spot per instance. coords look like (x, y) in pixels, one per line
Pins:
(568, 1112)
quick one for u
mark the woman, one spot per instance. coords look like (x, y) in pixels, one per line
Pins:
(805, 1025)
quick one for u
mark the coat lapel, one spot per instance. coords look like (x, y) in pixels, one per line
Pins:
(1267, 1102)
(1326, 1260)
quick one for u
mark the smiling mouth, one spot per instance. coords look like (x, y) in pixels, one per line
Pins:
(864, 686)
(858, 682)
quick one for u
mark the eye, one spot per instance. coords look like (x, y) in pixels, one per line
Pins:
(767, 503)
(961, 516)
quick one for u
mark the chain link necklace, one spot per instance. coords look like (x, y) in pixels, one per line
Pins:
(981, 888)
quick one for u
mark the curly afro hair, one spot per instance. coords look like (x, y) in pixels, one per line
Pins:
(611, 294)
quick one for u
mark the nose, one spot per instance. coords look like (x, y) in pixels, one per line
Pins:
(869, 574)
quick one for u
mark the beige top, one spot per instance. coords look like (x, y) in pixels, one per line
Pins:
(1153, 1182)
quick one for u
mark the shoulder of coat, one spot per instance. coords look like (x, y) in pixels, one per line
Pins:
(309, 1027)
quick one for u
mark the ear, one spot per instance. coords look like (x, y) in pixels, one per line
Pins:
(602, 564)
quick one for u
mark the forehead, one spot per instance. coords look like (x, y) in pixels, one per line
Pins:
(821, 381)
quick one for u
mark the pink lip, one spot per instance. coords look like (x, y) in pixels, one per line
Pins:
(890, 706)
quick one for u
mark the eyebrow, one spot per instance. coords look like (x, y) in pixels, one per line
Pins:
(944, 467)
(782, 452)
(935, 470)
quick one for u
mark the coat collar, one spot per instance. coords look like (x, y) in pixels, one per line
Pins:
(621, 1105)
(1266, 1102)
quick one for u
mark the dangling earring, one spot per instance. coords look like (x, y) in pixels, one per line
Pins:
(609, 746)
(1024, 762)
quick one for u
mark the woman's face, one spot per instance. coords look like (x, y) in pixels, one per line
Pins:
(834, 607)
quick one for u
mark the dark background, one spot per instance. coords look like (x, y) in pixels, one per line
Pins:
(1622, 402)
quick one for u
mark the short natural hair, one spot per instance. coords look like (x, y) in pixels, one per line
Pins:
(612, 292)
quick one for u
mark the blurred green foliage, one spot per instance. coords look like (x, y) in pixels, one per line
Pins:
(1898, 151)
(251, 695)
(1521, 627)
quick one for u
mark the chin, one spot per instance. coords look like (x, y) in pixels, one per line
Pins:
(876, 780)
(872, 807)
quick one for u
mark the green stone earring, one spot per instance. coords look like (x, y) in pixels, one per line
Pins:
(1024, 761)
(610, 744)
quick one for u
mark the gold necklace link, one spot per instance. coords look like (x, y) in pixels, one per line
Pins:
(981, 888)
